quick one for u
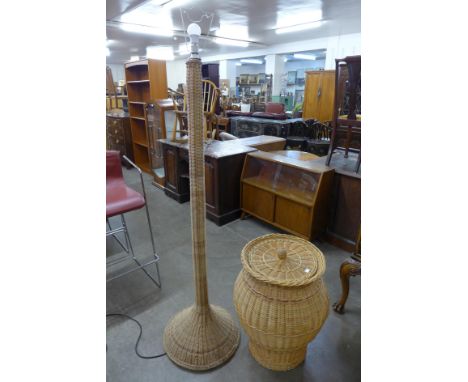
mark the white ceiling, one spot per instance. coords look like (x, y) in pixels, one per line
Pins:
(255, 22)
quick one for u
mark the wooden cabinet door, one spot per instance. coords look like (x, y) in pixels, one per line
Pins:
(170, 168)
(210, 185)
(327, 96)
(311, 98)
(319, 95)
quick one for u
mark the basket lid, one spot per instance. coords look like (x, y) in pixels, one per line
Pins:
(284, 260)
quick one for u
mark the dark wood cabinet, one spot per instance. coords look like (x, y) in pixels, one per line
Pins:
(223, 167)
(211, 72)
(344, 218)
(118, 134)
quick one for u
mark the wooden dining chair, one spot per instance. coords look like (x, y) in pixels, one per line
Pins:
(210, 94)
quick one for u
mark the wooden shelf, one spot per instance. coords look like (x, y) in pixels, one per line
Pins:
(146, 80)
(137, 82)
(144, 144)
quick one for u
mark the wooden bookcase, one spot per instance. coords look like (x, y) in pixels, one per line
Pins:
(146, 81)
(288, 193)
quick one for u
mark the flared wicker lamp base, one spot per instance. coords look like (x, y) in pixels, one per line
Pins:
(201, 338)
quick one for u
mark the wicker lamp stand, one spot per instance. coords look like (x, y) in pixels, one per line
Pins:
(201, 336)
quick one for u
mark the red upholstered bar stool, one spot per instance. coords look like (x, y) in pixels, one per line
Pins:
(121, 199)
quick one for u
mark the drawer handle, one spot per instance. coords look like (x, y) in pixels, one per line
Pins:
(116, 141)
(116, 131)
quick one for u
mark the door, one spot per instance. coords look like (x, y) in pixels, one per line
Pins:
(310, 106)
(327, 96)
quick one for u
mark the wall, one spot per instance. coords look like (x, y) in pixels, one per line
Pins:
(118, 72)
(249, 69)
(176, 73)
(304, 64)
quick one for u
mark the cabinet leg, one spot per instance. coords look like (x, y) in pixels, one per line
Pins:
(348, 268)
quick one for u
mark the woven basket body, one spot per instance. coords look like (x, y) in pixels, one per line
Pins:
(280, 298)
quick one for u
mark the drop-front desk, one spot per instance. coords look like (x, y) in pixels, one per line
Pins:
(223, 167)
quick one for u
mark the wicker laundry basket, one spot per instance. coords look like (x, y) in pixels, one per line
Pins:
(280, 298)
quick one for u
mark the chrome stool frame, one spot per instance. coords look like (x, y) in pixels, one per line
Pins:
(127, 247)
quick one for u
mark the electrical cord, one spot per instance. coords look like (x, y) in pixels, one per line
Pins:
(139, 336)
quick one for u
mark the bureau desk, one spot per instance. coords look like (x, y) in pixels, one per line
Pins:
(223, 167)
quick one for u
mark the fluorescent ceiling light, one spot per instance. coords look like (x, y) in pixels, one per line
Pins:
(134, 58)
(302, 56)
(107, 52)
(226, 41)
(251, 61)
(299, 27)
(238, 63)
(160, 52)
(285, 59)
(232, 34)
(135, 28)
(297, 20)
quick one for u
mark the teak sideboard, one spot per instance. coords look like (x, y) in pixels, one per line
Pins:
(288, 193)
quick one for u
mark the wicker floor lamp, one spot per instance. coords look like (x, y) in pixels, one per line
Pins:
(201, 336)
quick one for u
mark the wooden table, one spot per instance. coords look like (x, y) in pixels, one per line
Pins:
(223, 167)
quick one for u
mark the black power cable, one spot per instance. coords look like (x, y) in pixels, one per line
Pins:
(139, 336)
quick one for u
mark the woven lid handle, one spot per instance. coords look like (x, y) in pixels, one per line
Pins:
(282, 253)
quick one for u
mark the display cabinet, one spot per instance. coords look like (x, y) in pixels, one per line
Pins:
(289, 193)
(156, 123)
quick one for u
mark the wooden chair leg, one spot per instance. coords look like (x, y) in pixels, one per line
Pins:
(348, 268)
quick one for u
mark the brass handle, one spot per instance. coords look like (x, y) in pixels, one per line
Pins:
(116, 131)
(116, 141)
(282, 253)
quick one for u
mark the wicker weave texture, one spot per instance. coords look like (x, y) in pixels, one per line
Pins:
(201, 340)
(281, 320)
(202, 336)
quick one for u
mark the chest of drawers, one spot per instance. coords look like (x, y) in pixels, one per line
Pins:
(118, 134)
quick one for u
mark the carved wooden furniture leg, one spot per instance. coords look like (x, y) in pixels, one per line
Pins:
(348, 268)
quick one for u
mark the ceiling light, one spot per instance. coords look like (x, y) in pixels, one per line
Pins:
(135, 28)
(227, 41)
(160, 53)
(134, 58)
(302, 56)
(107, 52)
(251, 61)
(285, 59)
(298, 27)
(238, 63)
